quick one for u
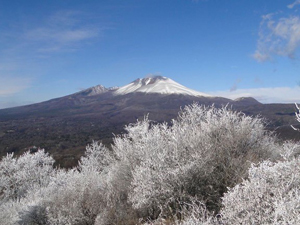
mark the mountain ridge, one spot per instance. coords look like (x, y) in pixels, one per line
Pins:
(65, 125)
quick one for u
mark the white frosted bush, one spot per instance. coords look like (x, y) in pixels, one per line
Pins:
(71, 197)
(271, 195)
(9, 212)
(74, 198)
(35, 193)
(201, 154)
(297, 116)
(18, 175)
(194, 213)
(161, 173)
(77, 196)
(97, 158)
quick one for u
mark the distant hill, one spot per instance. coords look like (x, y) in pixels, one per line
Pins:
(64, 126)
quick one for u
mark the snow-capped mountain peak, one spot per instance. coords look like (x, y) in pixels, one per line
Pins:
(157, 84)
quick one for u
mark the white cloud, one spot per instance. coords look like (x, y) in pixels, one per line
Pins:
(11, 85)
(297, 2)
(264, 95)
(64, 30)
(261, 55)
(278, 36)
(63, 36)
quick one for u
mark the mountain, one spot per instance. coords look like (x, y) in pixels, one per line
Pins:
(247, 101)
(64, 126)
(159, 85)
(148, 85)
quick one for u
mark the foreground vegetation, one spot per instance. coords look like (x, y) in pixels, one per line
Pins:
(210, 166)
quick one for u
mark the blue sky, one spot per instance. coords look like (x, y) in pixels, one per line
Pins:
(226, 48)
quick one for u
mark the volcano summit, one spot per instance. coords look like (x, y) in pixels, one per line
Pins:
(159, 85)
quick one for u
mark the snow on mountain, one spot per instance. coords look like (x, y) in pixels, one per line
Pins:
(157, 84)
(96, 90)
(99, 89)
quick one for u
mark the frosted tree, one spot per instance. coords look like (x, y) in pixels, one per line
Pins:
(76, 196)
(97, 157)
(71, 197)
(271, 195)
(202, 153)
(297, 116)
(32, 192)
(18, 175)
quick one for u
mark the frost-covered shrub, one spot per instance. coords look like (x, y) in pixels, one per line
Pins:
(194, 213)
(156, 173)
(35, 193)
(33, 214)
(271, 195)
(76, 196)
(118, 209)
(18, 175)
(9, 212)
(113, 185)
(205, 151)
(71, 197)
(297, 116)
(97, 158)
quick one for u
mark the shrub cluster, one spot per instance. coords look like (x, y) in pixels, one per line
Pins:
(270, 195)
(210, 166)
